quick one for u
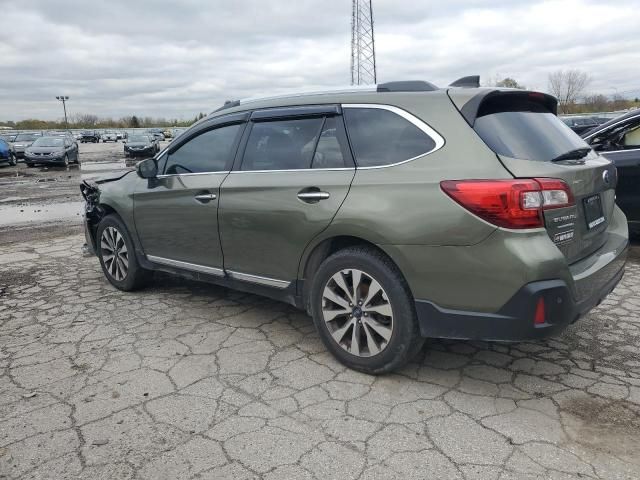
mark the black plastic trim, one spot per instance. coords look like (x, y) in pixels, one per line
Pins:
(472, 81)
(515, 320)
(407, 86)
(295, 112)
(470, 109)
(287, 295)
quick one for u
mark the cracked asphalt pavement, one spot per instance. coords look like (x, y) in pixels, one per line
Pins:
(188, 380)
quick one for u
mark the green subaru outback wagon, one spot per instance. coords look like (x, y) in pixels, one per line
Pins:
(389, 213)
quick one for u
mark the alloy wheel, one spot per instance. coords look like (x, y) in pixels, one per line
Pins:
(114, 253)
(357, 312)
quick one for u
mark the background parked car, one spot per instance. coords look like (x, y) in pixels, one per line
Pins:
(581, 124)
(157, 133)
(109, 137)
(89, 137)
(54, 149)
(9, 138)
(22, 142)
(619, 141)
(141, 145)
(6, 155)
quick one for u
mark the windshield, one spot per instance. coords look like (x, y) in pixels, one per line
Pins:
(26, 137)
(529, 133)
(138, 138)
(48, 142)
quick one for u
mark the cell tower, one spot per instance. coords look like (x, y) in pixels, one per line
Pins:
(363, 49)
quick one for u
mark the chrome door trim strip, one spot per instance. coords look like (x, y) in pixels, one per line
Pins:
(435, 136)
(186, 265)
(271, 282)
(234, 172)
(192, 174)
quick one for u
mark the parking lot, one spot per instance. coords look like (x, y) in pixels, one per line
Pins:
(188, 380)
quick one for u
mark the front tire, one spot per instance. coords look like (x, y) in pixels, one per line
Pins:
(364, 312)
(118, 256)
(66, 160)
(13, 161)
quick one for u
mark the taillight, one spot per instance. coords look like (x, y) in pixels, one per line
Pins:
(516, 204)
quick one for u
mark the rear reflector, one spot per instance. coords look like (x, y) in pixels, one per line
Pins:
(515, 204)
(539, 317)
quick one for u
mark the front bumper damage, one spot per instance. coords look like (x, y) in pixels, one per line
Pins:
(91, 216)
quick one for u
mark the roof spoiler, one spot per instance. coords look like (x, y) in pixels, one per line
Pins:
(472, 81)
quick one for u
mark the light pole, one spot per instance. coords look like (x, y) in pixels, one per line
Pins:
(64, 99)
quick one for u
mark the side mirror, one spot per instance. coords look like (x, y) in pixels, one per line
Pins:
(147, 168)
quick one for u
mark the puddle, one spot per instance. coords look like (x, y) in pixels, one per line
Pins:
(107, 166)
(16, 174)
(55, 212)
(612, 426)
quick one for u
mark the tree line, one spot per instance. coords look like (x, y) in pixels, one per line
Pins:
(569, 87)
(90, 121)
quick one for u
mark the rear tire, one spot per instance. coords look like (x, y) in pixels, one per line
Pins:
(117, 255)
(13, 161)
(381, 333)
(30, 165)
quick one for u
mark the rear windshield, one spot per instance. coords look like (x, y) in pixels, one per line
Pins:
(25, 137)
(524, 129)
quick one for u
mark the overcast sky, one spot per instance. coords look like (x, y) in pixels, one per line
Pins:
(175, 58)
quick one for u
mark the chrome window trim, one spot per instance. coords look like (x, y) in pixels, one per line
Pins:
(224, 172)
(435, 136)
(186, 265)
(271, 282)
(294, 170)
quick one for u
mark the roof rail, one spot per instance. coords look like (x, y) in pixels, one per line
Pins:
(407, 86)
(401, 86)
(472, 81)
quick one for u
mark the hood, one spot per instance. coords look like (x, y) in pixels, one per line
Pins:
(111, 176)
(22, 144)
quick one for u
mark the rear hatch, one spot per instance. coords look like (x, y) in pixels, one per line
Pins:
(532, 142)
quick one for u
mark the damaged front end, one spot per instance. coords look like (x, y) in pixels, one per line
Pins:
(92, 215)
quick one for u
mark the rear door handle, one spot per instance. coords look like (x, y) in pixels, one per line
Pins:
(312, 195)
(205, 197)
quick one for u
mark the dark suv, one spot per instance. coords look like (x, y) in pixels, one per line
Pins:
(389, 213)
(619, 141)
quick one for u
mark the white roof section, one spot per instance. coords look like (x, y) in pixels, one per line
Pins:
(306, 93)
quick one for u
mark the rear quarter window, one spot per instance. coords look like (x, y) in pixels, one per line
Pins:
(381, 137)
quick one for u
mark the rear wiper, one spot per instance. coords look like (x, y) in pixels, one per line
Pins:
(576, 154)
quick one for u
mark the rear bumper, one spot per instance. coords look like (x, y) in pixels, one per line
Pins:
(515, 320)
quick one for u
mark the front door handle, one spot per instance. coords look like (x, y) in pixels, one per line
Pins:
(205, 197)
(312, 195)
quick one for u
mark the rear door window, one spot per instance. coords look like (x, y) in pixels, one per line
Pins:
(524, 129)
(329, 152)
(282, 144)
(381, 137)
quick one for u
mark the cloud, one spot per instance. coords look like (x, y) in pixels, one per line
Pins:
(174, 59)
